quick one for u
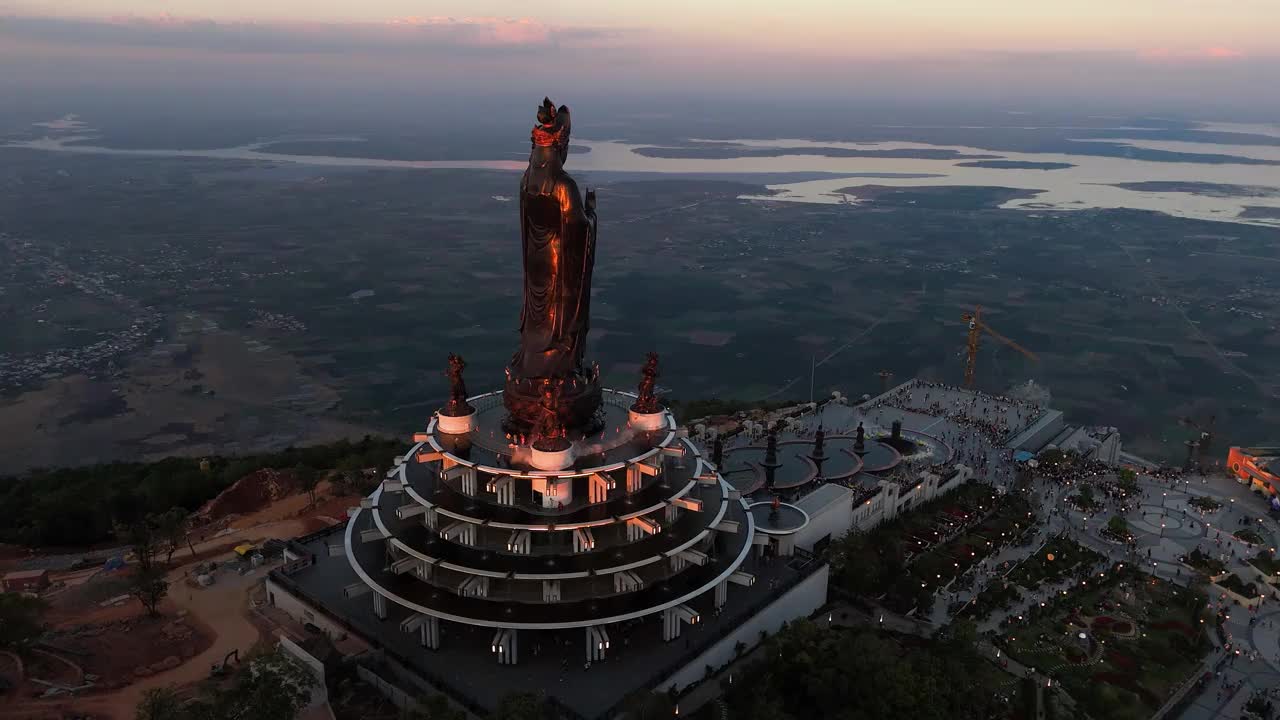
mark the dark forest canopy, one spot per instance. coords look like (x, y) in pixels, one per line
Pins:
(844, 674)
(81, 506)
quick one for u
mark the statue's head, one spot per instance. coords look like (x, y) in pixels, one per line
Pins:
(552, 130)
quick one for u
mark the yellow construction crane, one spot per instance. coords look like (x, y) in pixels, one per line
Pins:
(976, 328)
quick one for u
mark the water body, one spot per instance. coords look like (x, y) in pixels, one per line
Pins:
(1078, 182)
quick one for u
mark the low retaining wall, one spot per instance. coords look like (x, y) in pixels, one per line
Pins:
(1232, 594)
(800, 601)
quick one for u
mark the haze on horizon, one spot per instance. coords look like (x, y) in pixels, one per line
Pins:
(1192, 58)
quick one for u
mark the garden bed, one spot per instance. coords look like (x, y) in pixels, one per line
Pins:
(1069, 559)
(1238, 586)
(1266, 562)
(1249, 535)
(1131, 677)
(1205, 504)
(1206, 564)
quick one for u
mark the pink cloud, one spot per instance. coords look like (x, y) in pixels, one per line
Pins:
(1222, 52)
(484, 31)
(481, 34)
(1208, 53)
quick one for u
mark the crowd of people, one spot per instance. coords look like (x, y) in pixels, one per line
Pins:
(994, 416)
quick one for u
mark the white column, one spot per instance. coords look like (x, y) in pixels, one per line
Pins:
(460, 532)
(504, 646)
(504, 488)
(598, 488)
(555, 491)
(550, 591)
(428, 627)
(626, 581)
(786, 545)
(583, 540)
(641, 527)
(670, 625)
(469, 483)
(673, 617)
(430, 632)
(634, 478)
(722, 593)
(597, 643)
(519, 542)
(380, 606)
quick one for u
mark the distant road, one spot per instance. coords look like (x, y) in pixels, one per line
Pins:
(823, 361)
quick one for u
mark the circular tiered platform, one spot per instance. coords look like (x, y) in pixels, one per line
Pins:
(786, 519)
(465, 529)
(744, 465)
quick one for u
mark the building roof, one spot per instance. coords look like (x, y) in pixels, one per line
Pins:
(816, 502)
(25, 574)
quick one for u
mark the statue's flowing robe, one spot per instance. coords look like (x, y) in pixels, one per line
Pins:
(559, 253)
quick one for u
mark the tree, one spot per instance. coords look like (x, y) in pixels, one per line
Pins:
(1118, 527)
(523, 706)
(435, 707)
(858, 565)
(150, 587)
(1051, 457)
(148, 583)
(20, 621)
(1085, 498)
(959, 638)
(1128, 481)
(159, 704)
(141, 536)
(308, 478)
(171, 526)
(644, 705)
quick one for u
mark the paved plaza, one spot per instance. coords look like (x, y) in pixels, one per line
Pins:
(1164, 525)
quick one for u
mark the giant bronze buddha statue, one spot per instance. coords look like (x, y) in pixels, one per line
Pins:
(558, 235)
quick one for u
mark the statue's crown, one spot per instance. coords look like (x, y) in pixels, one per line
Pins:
(553, 125)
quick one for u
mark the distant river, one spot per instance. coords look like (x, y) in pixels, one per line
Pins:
(1089, 182)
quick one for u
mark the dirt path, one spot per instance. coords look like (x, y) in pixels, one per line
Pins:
(223, 606)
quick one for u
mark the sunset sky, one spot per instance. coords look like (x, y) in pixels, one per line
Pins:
(1220, 51)
(834, 26)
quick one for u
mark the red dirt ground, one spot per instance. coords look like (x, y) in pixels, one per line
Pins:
(248, 494)
(118, 640)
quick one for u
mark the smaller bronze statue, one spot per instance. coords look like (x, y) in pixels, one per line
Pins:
(647, 402)
(819, 438)
(897, 430)
(860, 442)
(548, 429)
(771, 448)
(457, 405)
(717, 451)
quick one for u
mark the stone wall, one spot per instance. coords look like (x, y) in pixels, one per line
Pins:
(800, 601)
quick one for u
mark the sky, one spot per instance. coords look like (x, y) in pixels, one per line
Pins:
(1215, 55)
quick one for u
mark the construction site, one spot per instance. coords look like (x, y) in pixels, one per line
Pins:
(103, 651)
